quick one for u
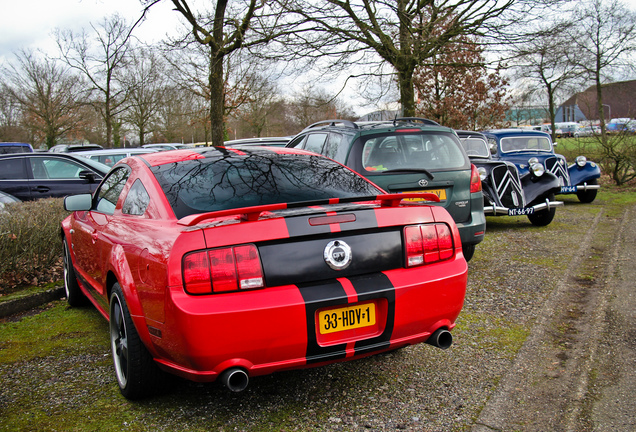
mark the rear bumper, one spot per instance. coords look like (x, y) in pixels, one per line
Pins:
(578, 188)
(273, 329)
(547, 205)
(473, 231)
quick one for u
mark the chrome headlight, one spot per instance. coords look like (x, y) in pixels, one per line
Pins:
(581, 161)
(532, 161)
(482, 173)
(537, 169)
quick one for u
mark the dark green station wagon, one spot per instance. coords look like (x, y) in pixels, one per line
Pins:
(407, 155)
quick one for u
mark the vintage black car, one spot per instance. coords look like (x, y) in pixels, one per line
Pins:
(505, 191)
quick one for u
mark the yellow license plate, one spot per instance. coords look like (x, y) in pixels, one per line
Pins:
(441, 194)
(346, 318)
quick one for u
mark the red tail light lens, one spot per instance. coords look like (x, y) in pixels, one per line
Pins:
(223, 270)
(475, 180)
(428, 243)
(196, 273)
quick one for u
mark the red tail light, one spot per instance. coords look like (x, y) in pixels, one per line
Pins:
(222, 270)
(428, 243)
(475, 180)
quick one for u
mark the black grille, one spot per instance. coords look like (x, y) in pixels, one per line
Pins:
(508, 186)
(558, 169)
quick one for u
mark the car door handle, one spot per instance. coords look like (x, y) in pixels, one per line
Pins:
(41, 189)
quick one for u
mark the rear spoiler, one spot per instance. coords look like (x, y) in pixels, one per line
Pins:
(254, 212)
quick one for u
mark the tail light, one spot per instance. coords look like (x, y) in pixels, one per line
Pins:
(428, 243)
(223, 270)
(475, 180)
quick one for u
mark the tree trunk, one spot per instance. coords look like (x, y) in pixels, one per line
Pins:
(407, 92)
(217, 100)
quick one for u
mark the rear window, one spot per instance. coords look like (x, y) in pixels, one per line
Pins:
(258, 178)
(404, 151)
(15, 148)
(475, 146)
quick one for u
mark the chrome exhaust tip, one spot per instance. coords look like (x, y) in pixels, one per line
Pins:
(235, 379)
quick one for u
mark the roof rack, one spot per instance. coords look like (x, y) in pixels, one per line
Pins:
(333, 122)
(416, 119)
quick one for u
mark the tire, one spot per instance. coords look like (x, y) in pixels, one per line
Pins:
(137, 373)
(589, 195)
(469, 251)
(74, 295)
(543, 217)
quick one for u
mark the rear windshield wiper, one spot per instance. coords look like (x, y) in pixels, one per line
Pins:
(407, 170)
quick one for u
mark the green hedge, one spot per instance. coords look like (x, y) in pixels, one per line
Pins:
(30, 246)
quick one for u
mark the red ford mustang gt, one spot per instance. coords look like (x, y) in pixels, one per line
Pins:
(229, 263)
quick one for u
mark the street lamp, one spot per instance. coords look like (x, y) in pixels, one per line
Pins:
(609, 111)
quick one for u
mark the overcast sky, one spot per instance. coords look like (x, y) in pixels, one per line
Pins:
(30, 23)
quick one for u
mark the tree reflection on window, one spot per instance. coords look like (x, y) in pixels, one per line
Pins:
(225, 180)
(110, 190)
(137, 200)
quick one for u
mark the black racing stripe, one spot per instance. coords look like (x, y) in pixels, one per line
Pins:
(316, 296)
(373, 286)
(299, 225)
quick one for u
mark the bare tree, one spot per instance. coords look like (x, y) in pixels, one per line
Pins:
(10, 117)
(544, 59)
(100, 60)
(405, 34)
(225, 30)
(260, 105)
(144, 81)
(605, 40)
(49, 96)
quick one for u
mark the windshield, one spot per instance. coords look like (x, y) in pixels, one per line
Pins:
(255, 178)
(416, 151)
(524, 143)
(475, 147)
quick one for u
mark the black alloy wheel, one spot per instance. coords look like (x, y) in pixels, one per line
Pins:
(137, 373)
(74, 294)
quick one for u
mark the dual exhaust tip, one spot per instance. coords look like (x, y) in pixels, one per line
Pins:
(236, 379)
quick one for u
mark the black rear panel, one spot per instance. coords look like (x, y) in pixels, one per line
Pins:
(301, 260)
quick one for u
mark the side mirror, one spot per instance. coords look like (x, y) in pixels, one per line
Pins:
(81, 202)
(493, 149)
(554, 144)
(87, 175)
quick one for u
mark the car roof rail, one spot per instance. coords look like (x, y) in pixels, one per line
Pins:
(417, 119)
(333, 122)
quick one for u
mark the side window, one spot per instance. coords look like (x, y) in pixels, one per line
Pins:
(298, 142)
(337, 147)
(109, 191)
(12, 168)
(315, 142)
(55, 168)
(137, 200)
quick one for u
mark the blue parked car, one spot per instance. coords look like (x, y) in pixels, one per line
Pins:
(15, 147)
(527, 148)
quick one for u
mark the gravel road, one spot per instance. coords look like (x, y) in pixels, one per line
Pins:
(545, 342)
